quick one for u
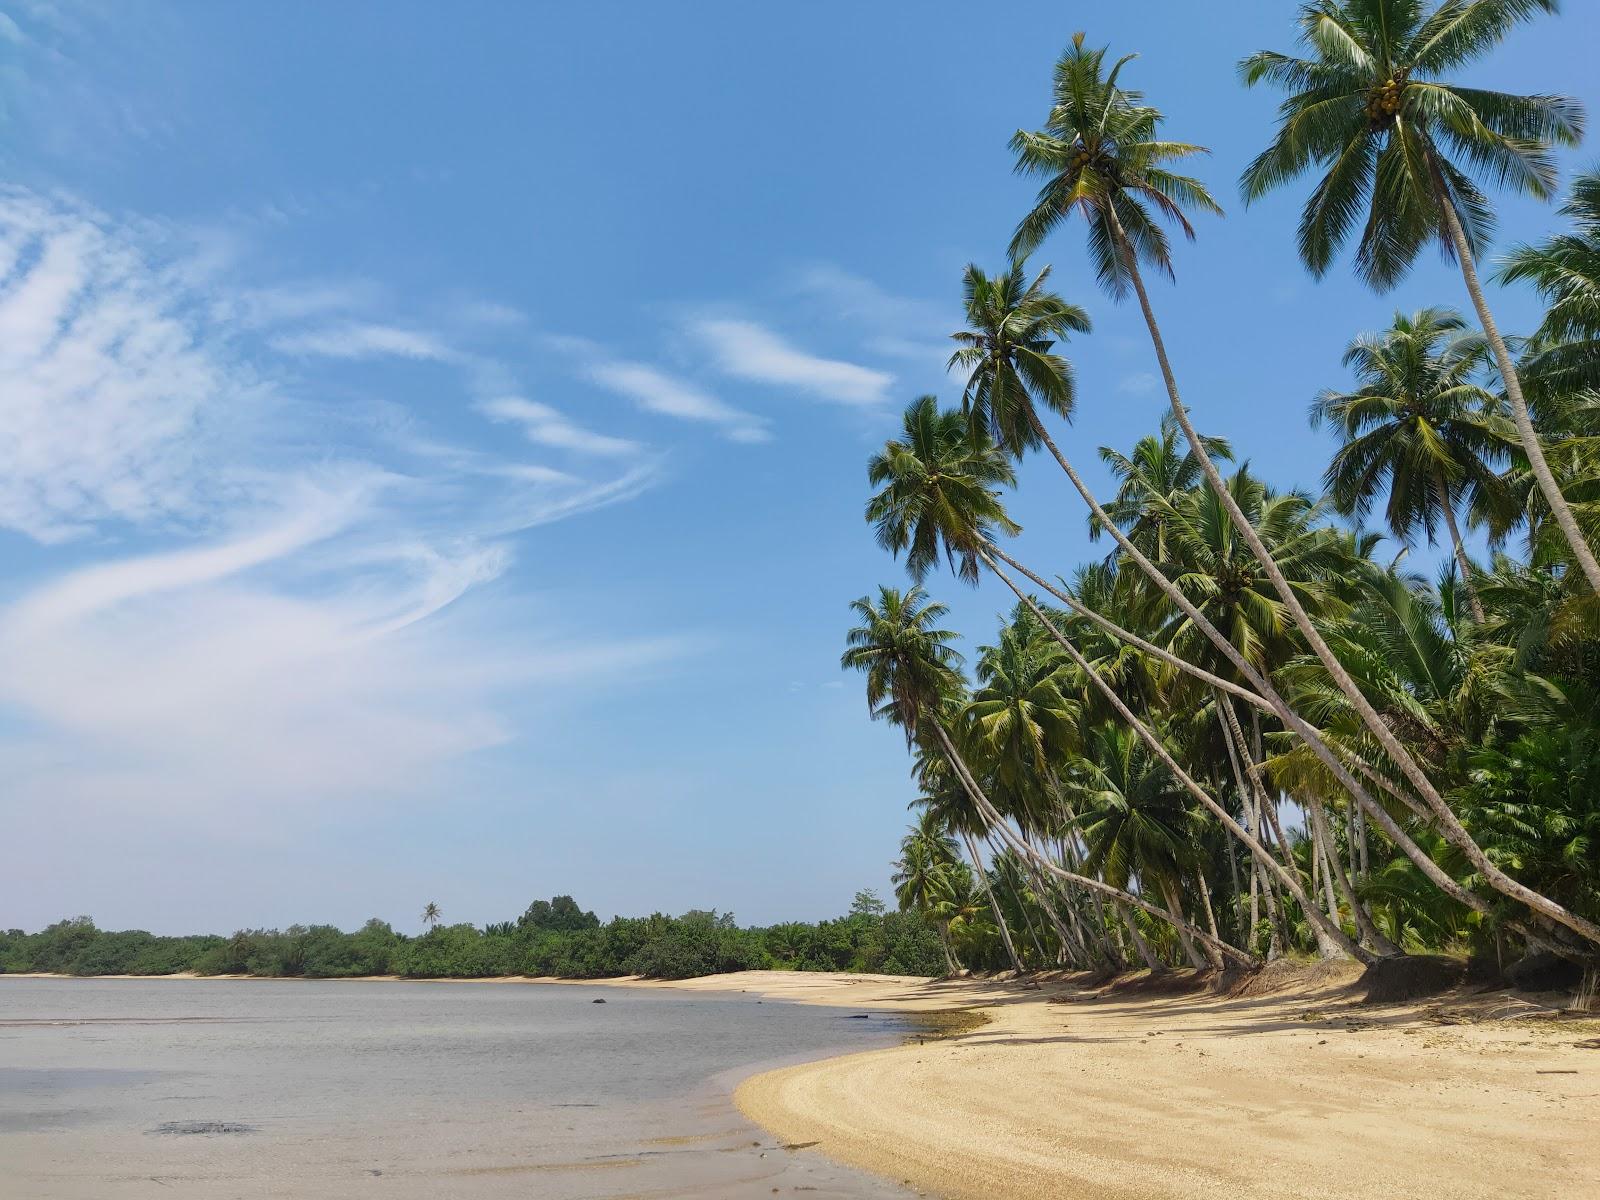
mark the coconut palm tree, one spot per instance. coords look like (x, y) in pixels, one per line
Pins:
(1566, 271)
(926, 507)
(1007, 354)
(431, 916)
(908, 660)
(1370, 107)
(1134, 818)
(938, 470)
(1148, 482)
(1418, 426)
(1101, 157)
(948, 798)
(1020, 715)
(1209, 561)
(922, 878)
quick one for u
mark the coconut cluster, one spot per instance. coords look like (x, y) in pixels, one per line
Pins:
(1383, 102)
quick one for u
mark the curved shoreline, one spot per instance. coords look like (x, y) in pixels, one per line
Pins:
(1080, 1095)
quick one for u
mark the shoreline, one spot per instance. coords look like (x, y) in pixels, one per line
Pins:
(1288, 1088)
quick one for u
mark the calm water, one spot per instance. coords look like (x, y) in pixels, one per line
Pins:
(221, 1088)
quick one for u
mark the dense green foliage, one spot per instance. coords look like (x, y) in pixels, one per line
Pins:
(553, 938)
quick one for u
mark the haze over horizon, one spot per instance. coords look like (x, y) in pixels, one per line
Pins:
(431, 461)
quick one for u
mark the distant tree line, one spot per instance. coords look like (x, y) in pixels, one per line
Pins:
(552, 938)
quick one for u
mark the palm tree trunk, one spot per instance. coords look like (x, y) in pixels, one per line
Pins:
(1335, 882)
(1175, 907)
(1329, 855)
(994, 904)
(1019, 893)
(1526, 433)
(1370, 933)
(1141, 946)
(1463, 563)
(1023, 847)
(1072, 942)
(952, 964)
(1270, 700)
(1238, 892)
(1449, 825)
(1131, 638)
(1159, 749)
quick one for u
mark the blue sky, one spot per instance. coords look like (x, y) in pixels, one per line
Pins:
(432, 440)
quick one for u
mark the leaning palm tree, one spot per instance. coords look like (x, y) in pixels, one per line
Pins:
(1007, 353)
(926, 507)
(1418, 426)
(431, 916)
(1103, 160)
(911, 669)
(1370, 107)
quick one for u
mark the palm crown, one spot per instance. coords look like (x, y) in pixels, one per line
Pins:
(1419, 423)
(1566, 270)
(907, 658)
(1006, 352)
(1101, 157)
(1370, 109)
(938, 490)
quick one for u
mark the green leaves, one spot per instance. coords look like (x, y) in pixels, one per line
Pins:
(1008, 353)
(1099, 152)
(1420, 424)
(1368, 110)
(939, 491)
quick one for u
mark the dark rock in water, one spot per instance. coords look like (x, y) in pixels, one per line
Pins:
(203, 1127)
(597, 1001)
(1411, 976)
(1542, 971)
(860, 1016)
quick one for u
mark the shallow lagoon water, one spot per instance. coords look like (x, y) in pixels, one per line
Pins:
(275, 1088)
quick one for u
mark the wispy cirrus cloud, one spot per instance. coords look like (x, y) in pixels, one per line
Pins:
(656, 391)
(112, 410)
(902, 327)
(746, 350)
(367, 341)
(265, 606)
(546, 426)
(209, 685)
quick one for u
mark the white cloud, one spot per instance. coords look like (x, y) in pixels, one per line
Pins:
(205, 685)
(658, 392)
(548, 427)
(896, 326)
(1140, 383)
(110, 403)
(316, 649)
(749, 351)
(356, 341)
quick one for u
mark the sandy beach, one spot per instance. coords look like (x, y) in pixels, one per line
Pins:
(1301, 1092)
